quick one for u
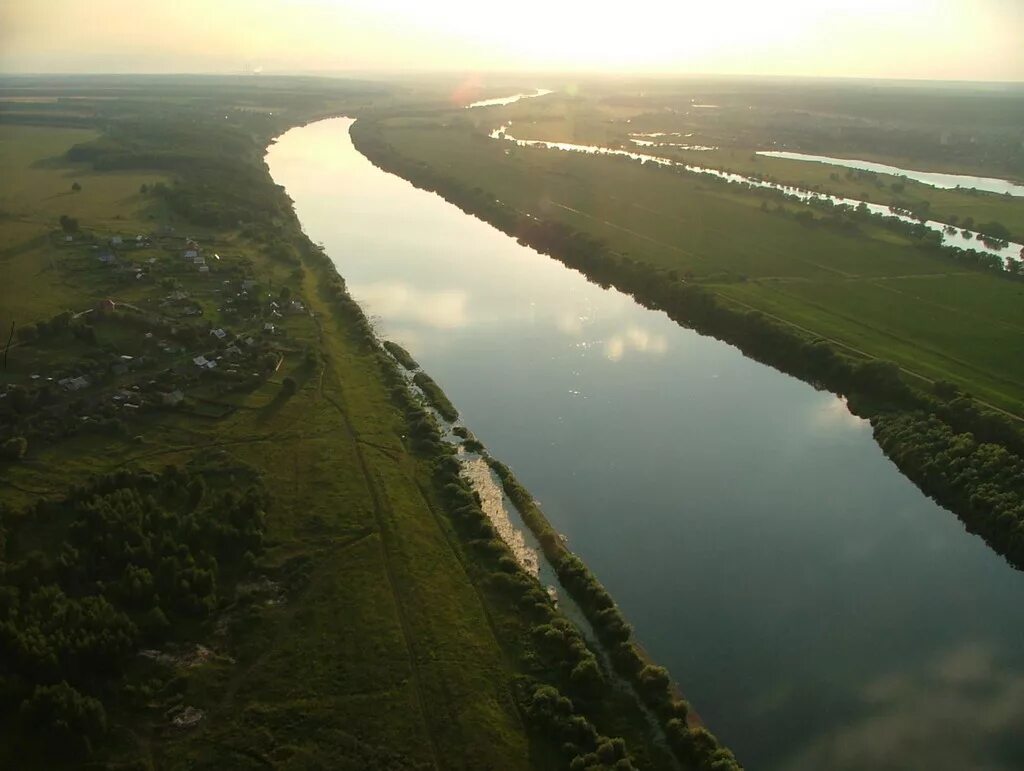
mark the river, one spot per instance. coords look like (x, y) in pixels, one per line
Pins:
(951, 236)
(933, 178)
(815, 607)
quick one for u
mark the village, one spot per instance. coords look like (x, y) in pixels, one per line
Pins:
(177, 327)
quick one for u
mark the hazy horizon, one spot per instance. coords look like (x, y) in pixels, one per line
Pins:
(944, 40)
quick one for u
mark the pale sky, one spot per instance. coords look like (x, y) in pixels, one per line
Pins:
(933, 39)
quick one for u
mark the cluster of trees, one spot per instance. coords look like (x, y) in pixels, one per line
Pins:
(696, 747)
(219, 184)
(872, 387)
(42, 330)
(983, 482)
(137, 553)
(438, 400)
(583, 747)
(401, 355)
(556, 640)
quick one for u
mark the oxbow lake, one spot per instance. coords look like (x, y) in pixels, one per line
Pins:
(960, 238)
(933, 178)
(815, 607)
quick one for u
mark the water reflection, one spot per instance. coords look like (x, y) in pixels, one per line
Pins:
(762, 546)
(634, 339)
(963, 694)
(963, 239)
(933, 178)
(833, 412)
(502, 100)
(401, 302)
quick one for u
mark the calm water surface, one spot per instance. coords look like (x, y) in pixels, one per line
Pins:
(933, 178)
(503, 100)
(815, 607)
(963, 239)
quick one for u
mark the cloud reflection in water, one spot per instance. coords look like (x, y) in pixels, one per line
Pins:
(634, 339)
(964, 694)
(401, 302)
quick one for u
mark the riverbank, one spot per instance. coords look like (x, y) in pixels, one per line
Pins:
(874, 389)
(393, 619)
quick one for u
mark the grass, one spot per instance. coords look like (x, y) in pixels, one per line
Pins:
(388, 638)
(876, 292)
(387, 650)
(35, 193)
(592, 121)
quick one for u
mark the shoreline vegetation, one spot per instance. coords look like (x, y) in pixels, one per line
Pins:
(971, 460)
(403, 356)
(377, 572)
(652, 683)
(438, 400)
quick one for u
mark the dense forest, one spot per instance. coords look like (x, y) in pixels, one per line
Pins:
(132, 559)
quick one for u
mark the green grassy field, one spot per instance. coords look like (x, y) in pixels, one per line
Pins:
(372, 637)
(36, 192)
(593, 121)
(875, 292)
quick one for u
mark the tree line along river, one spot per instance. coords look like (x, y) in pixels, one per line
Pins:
(813, 605)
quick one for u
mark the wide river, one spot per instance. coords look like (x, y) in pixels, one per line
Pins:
(815, 607)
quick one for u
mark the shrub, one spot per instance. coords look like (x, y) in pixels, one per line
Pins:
(14, 449)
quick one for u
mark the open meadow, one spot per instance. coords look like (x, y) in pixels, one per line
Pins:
(152, 331)
(875, 291)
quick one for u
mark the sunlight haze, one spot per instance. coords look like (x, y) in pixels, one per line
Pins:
(870, 38)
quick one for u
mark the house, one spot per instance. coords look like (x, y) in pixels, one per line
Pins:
(268, 327)
(107, 258)
(172, 399)
(220, 334)
(204, 268)
(69, 239)
(200, 361)
(199, 260)
(232, 350)
(116, 240)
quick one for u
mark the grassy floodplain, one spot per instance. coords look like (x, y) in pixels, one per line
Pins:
(875, 292)
(919, 132)
(923, 341)
(380, 623)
